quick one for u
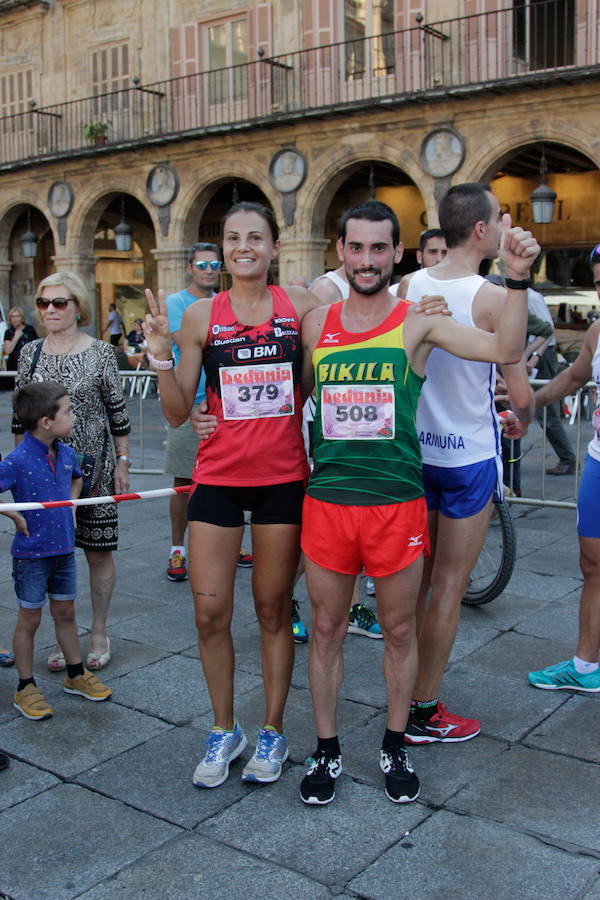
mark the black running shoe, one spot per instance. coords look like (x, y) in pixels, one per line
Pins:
(318, 785)
(401, 783)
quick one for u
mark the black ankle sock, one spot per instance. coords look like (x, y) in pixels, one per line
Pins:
(392, 739)
(23, 682)
(424, 709)
(75, 670)
(329, 746)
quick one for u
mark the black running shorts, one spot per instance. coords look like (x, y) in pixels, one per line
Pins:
(272, 504)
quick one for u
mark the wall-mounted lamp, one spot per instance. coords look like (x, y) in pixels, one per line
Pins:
(543, 197)
(123, 231)
(29, 240)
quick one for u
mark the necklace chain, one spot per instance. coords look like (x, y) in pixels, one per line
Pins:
(68, 350)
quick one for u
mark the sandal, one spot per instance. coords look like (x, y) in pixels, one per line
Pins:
(6, 658)
(56, 661)
(97, 661)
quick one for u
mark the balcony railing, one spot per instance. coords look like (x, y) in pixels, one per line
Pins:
(500, 49)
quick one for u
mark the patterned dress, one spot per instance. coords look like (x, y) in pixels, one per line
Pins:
(94, 385)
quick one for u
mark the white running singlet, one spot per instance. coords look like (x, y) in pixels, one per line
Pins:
(342, 286)
(456, 417)
(594, 444)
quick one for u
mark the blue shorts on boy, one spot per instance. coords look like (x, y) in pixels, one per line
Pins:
(54, 576)
(44, 561)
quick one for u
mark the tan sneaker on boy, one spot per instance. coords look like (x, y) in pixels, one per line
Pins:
(88, 686)
(31, 703)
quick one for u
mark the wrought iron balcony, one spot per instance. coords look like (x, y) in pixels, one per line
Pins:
(500, 50)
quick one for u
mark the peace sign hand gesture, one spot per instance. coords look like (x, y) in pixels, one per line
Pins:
(156, 326)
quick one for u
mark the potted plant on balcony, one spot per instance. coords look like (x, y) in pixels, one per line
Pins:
(95, 132)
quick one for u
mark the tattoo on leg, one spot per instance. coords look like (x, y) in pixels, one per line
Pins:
(202, 594)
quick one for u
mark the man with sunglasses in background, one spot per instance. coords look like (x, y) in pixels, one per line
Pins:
(204, 263)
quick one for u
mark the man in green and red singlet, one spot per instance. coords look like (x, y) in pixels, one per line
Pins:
(365, 503)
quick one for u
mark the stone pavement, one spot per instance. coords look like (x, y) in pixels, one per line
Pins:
(98, 801)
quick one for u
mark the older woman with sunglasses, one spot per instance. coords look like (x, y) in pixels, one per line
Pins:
(88, 368)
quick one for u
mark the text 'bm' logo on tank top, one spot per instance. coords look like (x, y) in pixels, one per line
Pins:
(258, 351)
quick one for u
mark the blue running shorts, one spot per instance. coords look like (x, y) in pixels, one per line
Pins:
(462, 491)
(588, 500)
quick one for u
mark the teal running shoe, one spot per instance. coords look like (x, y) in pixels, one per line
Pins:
(363, 620)
(298, 628)
(565, 677)
(270, 754)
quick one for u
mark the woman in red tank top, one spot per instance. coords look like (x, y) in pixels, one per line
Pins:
(248, 340)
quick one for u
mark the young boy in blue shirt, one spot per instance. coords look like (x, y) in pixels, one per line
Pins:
(42, 468)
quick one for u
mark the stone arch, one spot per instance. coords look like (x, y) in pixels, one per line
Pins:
(13, 210)
(483, 164)
(86, 213)
(341, 162)
(18, 275)
(196, 198)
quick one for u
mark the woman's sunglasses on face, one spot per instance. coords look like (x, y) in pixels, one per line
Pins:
(595, 250)
(57, 302)
(203, 264)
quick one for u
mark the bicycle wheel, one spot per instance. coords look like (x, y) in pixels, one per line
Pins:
(496, 561)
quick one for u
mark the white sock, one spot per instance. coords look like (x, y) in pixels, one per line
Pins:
(583, 667)
(177, 548)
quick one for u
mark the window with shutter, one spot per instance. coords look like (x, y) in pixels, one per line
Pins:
(110, 73)
(16, 90)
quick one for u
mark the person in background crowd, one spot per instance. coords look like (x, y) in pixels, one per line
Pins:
(204, 264)
(115, 325)
(16, 336)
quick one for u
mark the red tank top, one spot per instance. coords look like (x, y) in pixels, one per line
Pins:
(253, 388)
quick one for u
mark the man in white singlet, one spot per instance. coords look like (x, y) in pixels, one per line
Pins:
(460, 441)
(331, 286)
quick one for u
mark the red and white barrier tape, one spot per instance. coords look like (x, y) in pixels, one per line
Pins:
(93, 501)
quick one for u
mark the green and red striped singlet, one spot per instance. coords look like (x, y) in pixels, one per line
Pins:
(366, 449)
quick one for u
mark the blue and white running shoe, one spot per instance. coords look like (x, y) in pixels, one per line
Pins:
(298, 627)
(220, 749)
(270, 754)
(363, 620)
(565, 677)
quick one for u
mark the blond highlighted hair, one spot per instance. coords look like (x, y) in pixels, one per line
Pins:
(76, 290)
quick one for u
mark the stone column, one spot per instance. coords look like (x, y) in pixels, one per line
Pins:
(301, 257)
(5, 267)
(171, 274)
(84, 265)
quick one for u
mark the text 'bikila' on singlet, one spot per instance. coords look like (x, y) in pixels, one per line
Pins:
(366, 449)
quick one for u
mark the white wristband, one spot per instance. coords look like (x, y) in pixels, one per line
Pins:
(160, 364)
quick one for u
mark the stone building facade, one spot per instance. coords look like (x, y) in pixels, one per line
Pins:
(161, 114)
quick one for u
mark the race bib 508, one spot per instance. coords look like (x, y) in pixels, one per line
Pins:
(357, 413)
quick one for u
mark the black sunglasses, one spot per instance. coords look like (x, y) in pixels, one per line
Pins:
(57, 302)
(595, 250)
(202, 264)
